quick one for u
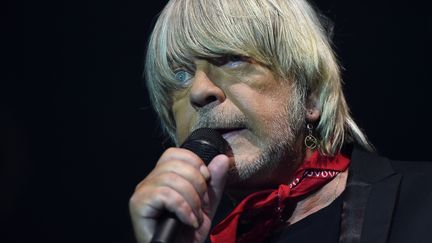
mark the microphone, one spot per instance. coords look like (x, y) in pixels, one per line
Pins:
(206, 143)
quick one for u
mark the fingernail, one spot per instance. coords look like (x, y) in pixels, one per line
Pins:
(194, 219)
(205, 172)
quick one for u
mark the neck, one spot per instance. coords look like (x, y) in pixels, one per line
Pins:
(320, 199)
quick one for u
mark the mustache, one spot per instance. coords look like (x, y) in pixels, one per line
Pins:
(211, 118)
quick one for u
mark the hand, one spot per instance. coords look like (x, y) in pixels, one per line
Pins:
(182, 184)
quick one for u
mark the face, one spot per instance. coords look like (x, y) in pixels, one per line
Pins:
(253, 109)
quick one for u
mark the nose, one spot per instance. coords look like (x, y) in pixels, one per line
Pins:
(204, 91)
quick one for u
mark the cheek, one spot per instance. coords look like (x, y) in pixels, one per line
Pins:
(184, 116)
(261, 107)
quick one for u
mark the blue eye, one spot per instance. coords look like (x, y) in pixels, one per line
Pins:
(182, 76)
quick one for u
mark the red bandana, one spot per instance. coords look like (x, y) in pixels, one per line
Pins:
(261, 212)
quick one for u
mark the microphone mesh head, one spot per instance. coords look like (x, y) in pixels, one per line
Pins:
(206, 143)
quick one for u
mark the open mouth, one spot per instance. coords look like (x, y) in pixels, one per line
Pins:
(229, 132)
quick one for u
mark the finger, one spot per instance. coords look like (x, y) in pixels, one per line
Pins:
(184, 155)
(218, 168)
(181, 154)
(185, 189)
(185, 170)
(146, 208)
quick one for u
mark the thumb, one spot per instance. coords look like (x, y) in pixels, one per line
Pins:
(218, 168)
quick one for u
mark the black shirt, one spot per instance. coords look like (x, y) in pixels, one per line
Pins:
(322, 226)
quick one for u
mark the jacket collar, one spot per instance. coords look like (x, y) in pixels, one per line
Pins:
(372, 187)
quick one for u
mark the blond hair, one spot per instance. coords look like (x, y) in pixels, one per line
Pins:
(286, 36)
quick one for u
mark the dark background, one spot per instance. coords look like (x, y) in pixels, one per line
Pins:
(77, 132)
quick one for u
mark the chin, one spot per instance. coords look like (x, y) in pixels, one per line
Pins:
(253, 169)
(264, 166)
(262, 161)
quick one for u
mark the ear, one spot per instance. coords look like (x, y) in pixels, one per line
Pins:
(313, 112)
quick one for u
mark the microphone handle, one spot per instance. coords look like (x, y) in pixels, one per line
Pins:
(165, 228)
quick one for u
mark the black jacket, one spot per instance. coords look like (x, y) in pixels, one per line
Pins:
(386, 201)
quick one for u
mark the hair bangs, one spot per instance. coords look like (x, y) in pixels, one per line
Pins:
(214, 28)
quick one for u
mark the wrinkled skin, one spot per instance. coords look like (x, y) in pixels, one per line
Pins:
(242, 98)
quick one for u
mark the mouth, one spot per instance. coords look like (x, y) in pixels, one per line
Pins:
(229, 132)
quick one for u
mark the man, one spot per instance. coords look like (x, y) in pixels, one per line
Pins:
(263, 74)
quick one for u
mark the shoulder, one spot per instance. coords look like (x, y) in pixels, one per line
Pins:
(413, 210)
(404, 187)
(373, 166)
(415, 177)
(413, 168)
(416, 181)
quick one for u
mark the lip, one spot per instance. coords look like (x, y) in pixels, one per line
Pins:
(231, 132)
